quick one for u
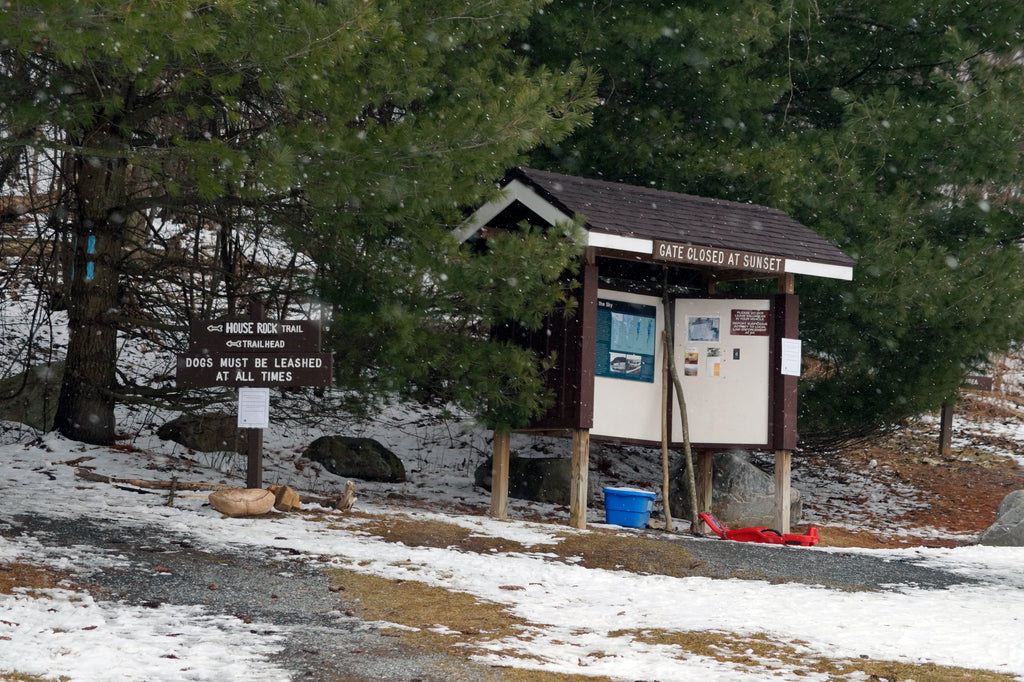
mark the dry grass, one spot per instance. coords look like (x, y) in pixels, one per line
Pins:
(614, 551)
(454, 622)
(989, 405)
(22, 575)
(429, 533)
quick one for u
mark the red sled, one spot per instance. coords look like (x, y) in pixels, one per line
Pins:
(760, 534)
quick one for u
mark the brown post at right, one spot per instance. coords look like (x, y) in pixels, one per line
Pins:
(946, 430)
(784, 399)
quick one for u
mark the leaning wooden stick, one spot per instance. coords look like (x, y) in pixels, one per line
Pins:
(664, 431)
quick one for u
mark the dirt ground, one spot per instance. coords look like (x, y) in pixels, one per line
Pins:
(961, 490)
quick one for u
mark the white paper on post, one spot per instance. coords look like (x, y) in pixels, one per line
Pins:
(253, 408)
(791, 357)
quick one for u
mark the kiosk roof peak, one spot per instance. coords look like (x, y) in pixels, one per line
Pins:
(631, 218)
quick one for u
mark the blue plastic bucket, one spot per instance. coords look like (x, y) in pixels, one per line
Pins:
(628, 507)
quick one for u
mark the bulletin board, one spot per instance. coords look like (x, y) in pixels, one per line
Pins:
(722, 353)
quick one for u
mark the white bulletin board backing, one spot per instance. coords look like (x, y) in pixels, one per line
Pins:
(722, 353)
(626, 405)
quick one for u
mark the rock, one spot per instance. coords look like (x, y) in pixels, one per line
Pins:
(741, 494)
(31, 397)
(1008, 529)
(353, 457)
(285, 498)
(242, 501)
(206, 432)
(541, 479)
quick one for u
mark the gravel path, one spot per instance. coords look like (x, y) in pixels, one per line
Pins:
(836, 569)
(324, 642)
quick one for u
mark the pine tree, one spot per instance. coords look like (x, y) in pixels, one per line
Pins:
(350, 129)
(891, 128)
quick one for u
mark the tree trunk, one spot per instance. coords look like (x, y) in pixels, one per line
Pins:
(85, 409)
(691, 479)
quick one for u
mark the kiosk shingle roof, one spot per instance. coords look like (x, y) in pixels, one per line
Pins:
(645, 213)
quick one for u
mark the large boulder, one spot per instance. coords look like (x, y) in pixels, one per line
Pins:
(353, 457)
(206, 432)
(541, 479)
(1008, 529)
(31, 397)
(741, 493)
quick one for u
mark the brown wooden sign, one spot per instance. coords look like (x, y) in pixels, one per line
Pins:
(714, 257)
(979, 382)
(254, 353)
(266, 370)
(254, 336)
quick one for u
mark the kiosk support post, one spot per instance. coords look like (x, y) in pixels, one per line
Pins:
(705, 474)
(783, 471)
(788, 322)
(580, 472)
(499, 474)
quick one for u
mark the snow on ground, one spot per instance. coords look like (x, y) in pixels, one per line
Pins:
(580, 619)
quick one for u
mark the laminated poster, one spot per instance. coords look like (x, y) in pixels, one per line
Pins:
(703, 328)
(627, 334)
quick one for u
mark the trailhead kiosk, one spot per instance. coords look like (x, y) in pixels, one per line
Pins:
(652, 263)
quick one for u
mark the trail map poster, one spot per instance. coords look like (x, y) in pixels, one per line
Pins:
(626, 340)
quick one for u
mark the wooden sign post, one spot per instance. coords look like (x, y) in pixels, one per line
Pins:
(254, 353)
(254, 437)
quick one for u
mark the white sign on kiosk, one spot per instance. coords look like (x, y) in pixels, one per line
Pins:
(791, 357)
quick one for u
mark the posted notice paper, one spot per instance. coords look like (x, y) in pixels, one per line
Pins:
(253, 408)
(791, 357)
